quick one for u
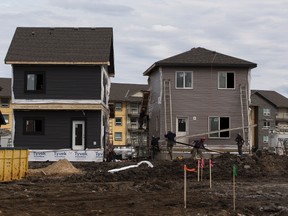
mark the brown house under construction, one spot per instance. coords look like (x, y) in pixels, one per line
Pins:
(200, 93)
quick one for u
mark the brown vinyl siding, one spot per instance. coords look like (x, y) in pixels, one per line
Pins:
(156, 111)
(61, 82)
(205, 99)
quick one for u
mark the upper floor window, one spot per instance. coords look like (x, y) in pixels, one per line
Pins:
(34, 82)
(266, 112)
(226, 80)
(134, 122)
(118, 121)
(266, 124)
(219, 123)
(118, 136)
(118, 106)
(5, 102)
(184, 79)
(134, 107)
(34, 126)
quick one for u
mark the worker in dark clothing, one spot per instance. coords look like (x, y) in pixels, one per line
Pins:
(155, 146)
(170, 137)
(141, 118)
(240, 141)
(197, 148)
(111, 153)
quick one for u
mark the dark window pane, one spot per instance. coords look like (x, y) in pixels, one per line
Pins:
(230, 80)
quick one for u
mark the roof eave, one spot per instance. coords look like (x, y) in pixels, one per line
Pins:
(149, 70)
(56, 63)
(207, 65)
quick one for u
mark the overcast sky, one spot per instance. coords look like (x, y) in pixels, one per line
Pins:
(150, 30)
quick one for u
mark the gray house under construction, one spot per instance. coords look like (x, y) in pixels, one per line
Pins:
(200, 93)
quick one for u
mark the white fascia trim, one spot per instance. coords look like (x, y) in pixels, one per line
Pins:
(161, 85)
(50, 101)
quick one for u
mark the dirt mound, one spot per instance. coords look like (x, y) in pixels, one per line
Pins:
(58, 168)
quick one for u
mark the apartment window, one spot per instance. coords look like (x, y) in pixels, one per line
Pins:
(118, 106)
(183, 80)
(5, 102)
(6, 118)
(226, 80)
(118, 136)
(134, 107)
(219, 123)
(34, 82)
(134, 122)
(265, 139)
(266, 124)
(118, 121)
(33, 126)
(266, 112)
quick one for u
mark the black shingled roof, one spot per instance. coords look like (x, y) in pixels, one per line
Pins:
(5, 86)
(273, 97)
(201, 57)
(62, 46)
(124, 91)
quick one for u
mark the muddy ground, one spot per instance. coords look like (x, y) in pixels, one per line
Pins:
(261, 188)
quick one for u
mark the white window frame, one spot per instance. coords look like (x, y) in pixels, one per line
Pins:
(218, 128)
(134, 124)
(118, 123)
(265, 139)
(118, 138)
(118, 108)
(266, 112)
(226, 80)
(184, 81)
(266, 124)
(134, 107)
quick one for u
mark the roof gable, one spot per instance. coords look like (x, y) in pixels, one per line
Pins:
(93, 46)
(202, 57)
(126, 92)
(273, 97)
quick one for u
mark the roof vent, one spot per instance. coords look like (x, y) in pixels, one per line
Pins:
(32, 33)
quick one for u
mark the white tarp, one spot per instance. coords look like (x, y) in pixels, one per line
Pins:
(95, 155)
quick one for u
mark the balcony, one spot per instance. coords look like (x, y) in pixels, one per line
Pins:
(282, 117)
(133, 112)
(132, 126)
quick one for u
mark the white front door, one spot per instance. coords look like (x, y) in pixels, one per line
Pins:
(78, 135)
(182, 129)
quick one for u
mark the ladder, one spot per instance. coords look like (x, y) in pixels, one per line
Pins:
(244, 111)
(167, 105)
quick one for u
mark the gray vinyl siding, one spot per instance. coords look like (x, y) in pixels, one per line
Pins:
(61, 82)
(261, 104)
(154, 107)
(205, 99)
(57, 129)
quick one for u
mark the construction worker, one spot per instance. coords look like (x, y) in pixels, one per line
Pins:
(197, 148)
(240, 141)
(155, 146)
(170, 137)
(141, 118)
(111, 153)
